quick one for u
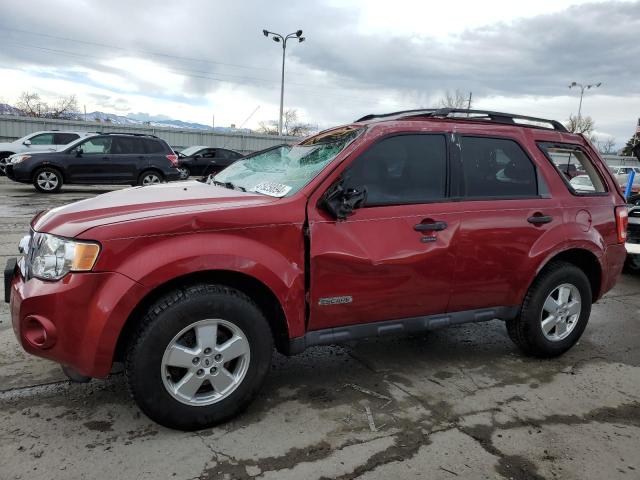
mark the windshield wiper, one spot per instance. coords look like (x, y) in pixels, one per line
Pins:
(229, 185)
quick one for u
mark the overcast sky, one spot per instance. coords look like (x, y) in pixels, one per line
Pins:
(190, 60)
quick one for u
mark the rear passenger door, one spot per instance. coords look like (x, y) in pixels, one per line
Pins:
(127, 160)
(506, 214)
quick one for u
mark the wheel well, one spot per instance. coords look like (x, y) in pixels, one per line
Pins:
(254, 289)
(151, 169)
(587, 262)
(5, 154)
(51, 167)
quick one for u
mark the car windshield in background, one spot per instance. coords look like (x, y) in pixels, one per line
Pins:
(190, 151)
(285, 170)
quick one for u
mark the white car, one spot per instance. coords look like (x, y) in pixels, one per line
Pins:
(52, 140)
(582, 183)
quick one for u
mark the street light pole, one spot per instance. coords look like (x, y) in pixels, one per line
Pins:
(582, 89)
(283, 39)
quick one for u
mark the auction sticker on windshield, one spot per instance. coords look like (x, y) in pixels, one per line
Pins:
(273, 189)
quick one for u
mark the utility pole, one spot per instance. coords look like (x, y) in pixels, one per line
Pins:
(469, 103)
(283, 39)
(213, 122)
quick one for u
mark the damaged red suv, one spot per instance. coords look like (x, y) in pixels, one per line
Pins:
(394, 224)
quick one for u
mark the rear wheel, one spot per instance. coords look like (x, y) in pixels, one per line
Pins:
(184, 173)
(554, 313)
(150, 177)
(199, 357)
(47, 180)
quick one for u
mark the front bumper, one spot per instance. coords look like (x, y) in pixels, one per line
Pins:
(17, 173)
(75, 321)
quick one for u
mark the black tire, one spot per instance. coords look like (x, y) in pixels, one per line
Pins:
(164, 320)
(147, 174)
(47, 180)
(632, 264)
(526, 330)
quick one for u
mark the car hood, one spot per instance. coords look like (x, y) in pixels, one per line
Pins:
(138, 203)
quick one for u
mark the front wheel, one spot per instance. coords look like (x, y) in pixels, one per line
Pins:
(554, 313)
(47, 180)
(199, 357)
(185, 173)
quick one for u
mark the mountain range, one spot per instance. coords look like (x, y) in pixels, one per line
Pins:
(132, 119)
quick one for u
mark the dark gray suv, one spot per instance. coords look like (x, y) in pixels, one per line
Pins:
(112, 159)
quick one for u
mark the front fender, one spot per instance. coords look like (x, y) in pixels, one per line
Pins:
(276, 259)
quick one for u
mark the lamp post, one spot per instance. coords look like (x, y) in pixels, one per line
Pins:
(582, 89)
(283, 39)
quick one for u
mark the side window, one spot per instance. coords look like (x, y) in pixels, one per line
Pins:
(494, 168)
(97, 145)
(153, 146)
(127, 145)
(401, 169)
(42, 139)
(64, 138)
(209, 153)
(571, 158)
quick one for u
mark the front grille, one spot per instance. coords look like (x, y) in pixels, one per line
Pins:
(633, 233)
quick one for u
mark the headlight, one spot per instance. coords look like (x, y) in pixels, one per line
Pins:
(53, 257)
(19, 158)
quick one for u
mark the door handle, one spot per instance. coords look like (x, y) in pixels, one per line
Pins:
(540, 219)
(430, 227)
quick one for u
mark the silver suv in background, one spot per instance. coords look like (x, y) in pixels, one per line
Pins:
(37, 142)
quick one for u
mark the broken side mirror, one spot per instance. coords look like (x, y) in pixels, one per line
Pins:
(340, 201)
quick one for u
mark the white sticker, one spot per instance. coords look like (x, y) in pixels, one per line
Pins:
(272, 189)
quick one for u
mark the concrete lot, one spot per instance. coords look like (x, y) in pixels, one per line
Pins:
(461, 403)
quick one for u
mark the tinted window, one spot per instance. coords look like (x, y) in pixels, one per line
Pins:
(97, 145)
(401, 169)
(127, 145)
(209, 153)
(227, 154)
(42, 139)
(64, 138)
(567, 158)
(494, 167)
(153, 146)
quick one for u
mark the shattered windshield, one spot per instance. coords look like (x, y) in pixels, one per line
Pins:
(284, 170)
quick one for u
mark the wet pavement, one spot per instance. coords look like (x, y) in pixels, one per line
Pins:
(460, 403)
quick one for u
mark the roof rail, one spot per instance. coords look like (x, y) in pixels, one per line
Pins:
(477, 115)
(128, 133)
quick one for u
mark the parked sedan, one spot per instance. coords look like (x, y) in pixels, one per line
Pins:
(202, 161)
(582, 183)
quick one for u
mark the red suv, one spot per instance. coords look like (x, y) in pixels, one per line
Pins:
(396, 223)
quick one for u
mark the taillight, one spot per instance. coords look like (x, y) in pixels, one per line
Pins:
(173, 158)
(622, 218)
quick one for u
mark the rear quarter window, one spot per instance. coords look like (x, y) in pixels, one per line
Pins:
(576, 168)
(155, 146)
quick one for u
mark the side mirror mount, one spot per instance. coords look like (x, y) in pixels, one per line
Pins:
(79, 152)
(27, 142)
(340, 201)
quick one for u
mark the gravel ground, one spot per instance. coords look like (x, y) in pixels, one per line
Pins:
(460, 403)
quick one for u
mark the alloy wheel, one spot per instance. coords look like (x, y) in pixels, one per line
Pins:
(205, 362)
(150, 179)
(561, 312)
(47, 181)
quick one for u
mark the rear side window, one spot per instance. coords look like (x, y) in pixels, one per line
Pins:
(64, 138)
(575, 167)
(401, 170)
(496, 168)
(153, 146)
(127, 145)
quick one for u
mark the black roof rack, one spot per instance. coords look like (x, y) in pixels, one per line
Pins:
(477, 115)
(127, 133)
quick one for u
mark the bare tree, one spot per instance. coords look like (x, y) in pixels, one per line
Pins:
(584, 125)
(607, 147)
(290, 125)
(33, 106)
(455, 99)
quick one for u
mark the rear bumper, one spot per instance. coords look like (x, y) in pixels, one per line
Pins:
(632, 248)
(75, 321)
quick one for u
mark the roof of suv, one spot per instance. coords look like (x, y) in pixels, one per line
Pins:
(466, 115)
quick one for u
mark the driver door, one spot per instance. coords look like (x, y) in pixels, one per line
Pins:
(393, 257)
